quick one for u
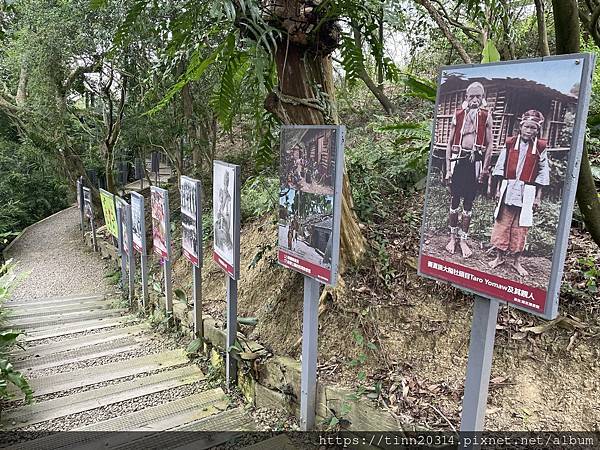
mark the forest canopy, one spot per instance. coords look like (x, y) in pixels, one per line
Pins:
(87, 85)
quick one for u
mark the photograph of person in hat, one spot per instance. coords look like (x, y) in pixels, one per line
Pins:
(524, 171)
(468, 154)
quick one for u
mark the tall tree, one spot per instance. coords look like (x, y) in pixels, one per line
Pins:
(566, 24)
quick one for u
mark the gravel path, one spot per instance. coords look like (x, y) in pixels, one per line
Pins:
(55, 261)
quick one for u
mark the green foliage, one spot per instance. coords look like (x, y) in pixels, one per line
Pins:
(490, 53)
(29, 188)
(260, 195)
(591, 273)
(8, 338)
(381, 169)
(194, 346)
(113, 277)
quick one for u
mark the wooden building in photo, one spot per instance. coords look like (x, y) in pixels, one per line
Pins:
(508, 99)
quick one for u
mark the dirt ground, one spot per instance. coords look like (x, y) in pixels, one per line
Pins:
(539, 268)
(403, 340)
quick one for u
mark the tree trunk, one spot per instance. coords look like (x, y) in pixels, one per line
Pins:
(300, 101)
(543, 47)
(566, 23)
(376, 90)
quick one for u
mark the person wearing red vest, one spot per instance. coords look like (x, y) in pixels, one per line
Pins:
(523, 166)
(468, 155)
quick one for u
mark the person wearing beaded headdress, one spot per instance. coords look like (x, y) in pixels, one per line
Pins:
(524, 171)
(468, 156)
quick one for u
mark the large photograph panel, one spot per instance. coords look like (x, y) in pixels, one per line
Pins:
(502, 145)
(310, 187)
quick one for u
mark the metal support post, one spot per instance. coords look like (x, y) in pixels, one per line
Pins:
(231, 363)
(144, 270)
(310, 329)
(168, 288)
(121, 252)
(197, 291)
(130, 256)
(479, 365)
(93, 226)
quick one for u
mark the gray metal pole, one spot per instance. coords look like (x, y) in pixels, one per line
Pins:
(120, 243)
(130, 256)
(168, 288)
(198, 328)
(93, 226)
(310, 329)
(144, 270)
(231, 365)
(479, 365)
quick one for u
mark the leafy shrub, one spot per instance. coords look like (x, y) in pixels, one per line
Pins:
(260, 195)
(8, 338)
(382, 167)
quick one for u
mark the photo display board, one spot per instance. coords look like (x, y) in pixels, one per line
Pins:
(110, 212)
(191, 220)
(138, 221)
(88, 208)
(79, 205)
(502, 177)
(226, 217)
(125, 229)
(310, 200)
(159, 201)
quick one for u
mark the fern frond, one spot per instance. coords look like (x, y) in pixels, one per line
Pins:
(353, 60)
(225, 101)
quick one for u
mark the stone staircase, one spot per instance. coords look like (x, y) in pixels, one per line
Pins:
(98, 370)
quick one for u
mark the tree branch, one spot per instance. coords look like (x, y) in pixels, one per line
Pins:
(434, 13)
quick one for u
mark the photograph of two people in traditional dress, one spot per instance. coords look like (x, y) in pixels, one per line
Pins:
(306, 197)
(501, 146)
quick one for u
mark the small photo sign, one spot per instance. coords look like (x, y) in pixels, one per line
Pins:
(138, 222)
(226, 217)
(310, 199)
(160, 222)
(110, 214)
(88, 208)
(191, 220)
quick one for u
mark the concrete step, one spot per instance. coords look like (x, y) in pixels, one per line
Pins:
(146, 422)
(22, 312)
(280, 442)
(112, 347)
(96, 398)
(43, 302)
(53, 331)
(217, 429)
(168, 415)
(106, 372)
(63, 318)
(40, 351)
